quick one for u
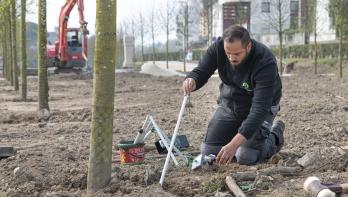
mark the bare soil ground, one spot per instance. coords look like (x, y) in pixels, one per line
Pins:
(53, 155)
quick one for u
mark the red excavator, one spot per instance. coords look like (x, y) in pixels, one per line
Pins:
(69, 52)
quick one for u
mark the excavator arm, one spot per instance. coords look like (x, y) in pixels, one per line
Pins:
(63, 28)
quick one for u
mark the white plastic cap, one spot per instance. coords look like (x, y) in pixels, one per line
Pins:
(326, 193)
(308, 181)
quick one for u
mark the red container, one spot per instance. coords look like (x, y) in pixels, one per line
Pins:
(131, 153)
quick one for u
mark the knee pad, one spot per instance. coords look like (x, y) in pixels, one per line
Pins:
(247, 156)
(207, 149)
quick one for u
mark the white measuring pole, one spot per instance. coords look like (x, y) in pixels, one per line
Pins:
(141, 134)
(165, 142)
(181, 113)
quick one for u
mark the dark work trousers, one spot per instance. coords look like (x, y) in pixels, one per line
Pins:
(224, 125)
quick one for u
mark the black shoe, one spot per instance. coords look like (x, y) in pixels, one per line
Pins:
(278, 131)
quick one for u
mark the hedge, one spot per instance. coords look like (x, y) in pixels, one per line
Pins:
(172, 56)
(326, 50)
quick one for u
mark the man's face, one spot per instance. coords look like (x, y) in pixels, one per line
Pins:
(236, 52)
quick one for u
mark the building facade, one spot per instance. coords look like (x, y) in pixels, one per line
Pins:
(261, 18)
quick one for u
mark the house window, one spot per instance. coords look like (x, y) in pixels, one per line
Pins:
(294, 7)
(265, 7)
(294, 12)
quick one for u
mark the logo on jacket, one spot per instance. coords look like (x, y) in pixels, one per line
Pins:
(246, 86)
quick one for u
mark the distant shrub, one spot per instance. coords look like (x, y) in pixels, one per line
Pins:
(325, 50)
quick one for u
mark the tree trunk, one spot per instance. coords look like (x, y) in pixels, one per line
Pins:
(280, 33)
(42, 58)
(210, 25)
(315, 48)
(8, 54)
(100, 160)
(14, 47)
(9, 45)
(153, 36)
(167, 47)
(167, 31)
(23, 52)
(306, 20)
(3, 47)
(185, 34)
(3, 56)
(142, 37)
(340, 55)
(281, 52)
(153, 43)
(4, 44)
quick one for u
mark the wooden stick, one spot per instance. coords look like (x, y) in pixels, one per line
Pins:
(338, 188)
(234, 188)
(287, 171)
(251, 175)
(344, 187)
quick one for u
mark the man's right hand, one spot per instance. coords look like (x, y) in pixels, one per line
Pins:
(189, 85)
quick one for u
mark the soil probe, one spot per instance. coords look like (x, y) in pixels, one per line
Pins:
(181, 113)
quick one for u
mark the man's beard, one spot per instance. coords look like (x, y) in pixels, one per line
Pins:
(242, 62)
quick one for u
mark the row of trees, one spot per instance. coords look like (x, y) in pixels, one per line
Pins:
(188, 12)
(339, 20)
(339, 17)
(173, 15)
(99, 168)
(8, 35)
(8, 16)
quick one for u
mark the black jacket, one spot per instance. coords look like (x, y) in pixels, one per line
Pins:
(249, 90)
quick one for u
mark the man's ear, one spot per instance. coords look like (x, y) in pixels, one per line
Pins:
(249, 46)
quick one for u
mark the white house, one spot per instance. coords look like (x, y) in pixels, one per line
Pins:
(258, 16)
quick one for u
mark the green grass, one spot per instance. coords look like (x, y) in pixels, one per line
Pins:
(216, 184)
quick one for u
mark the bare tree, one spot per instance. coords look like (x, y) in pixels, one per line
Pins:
(153, 29)
(315, 29)
(311, 26)
(208, 13)
(337, 12)
(182, 28)
(23, 52)
(42, 60)
(277, 19)
(14, 45)
(100, 159)
(185, 19)
(142, 32)
(308, 18)
(6, 36)
(9, 44)
(165, 19)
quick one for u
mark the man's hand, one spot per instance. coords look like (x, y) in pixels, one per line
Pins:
(226, 154)
(189, 85)
(228, 151)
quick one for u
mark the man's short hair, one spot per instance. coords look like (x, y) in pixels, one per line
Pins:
(233, 33)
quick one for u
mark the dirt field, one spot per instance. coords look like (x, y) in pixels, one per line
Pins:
(52, 156)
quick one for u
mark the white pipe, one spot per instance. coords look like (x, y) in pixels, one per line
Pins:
(165, 142)
(141, 135)
(165, 168)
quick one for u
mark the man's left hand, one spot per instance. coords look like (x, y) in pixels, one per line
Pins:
(228, 151)
(226, 154)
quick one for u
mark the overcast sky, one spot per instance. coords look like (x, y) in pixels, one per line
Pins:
(125, 9)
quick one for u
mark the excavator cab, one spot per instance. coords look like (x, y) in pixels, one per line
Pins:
(70, 50)
(74, 38)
